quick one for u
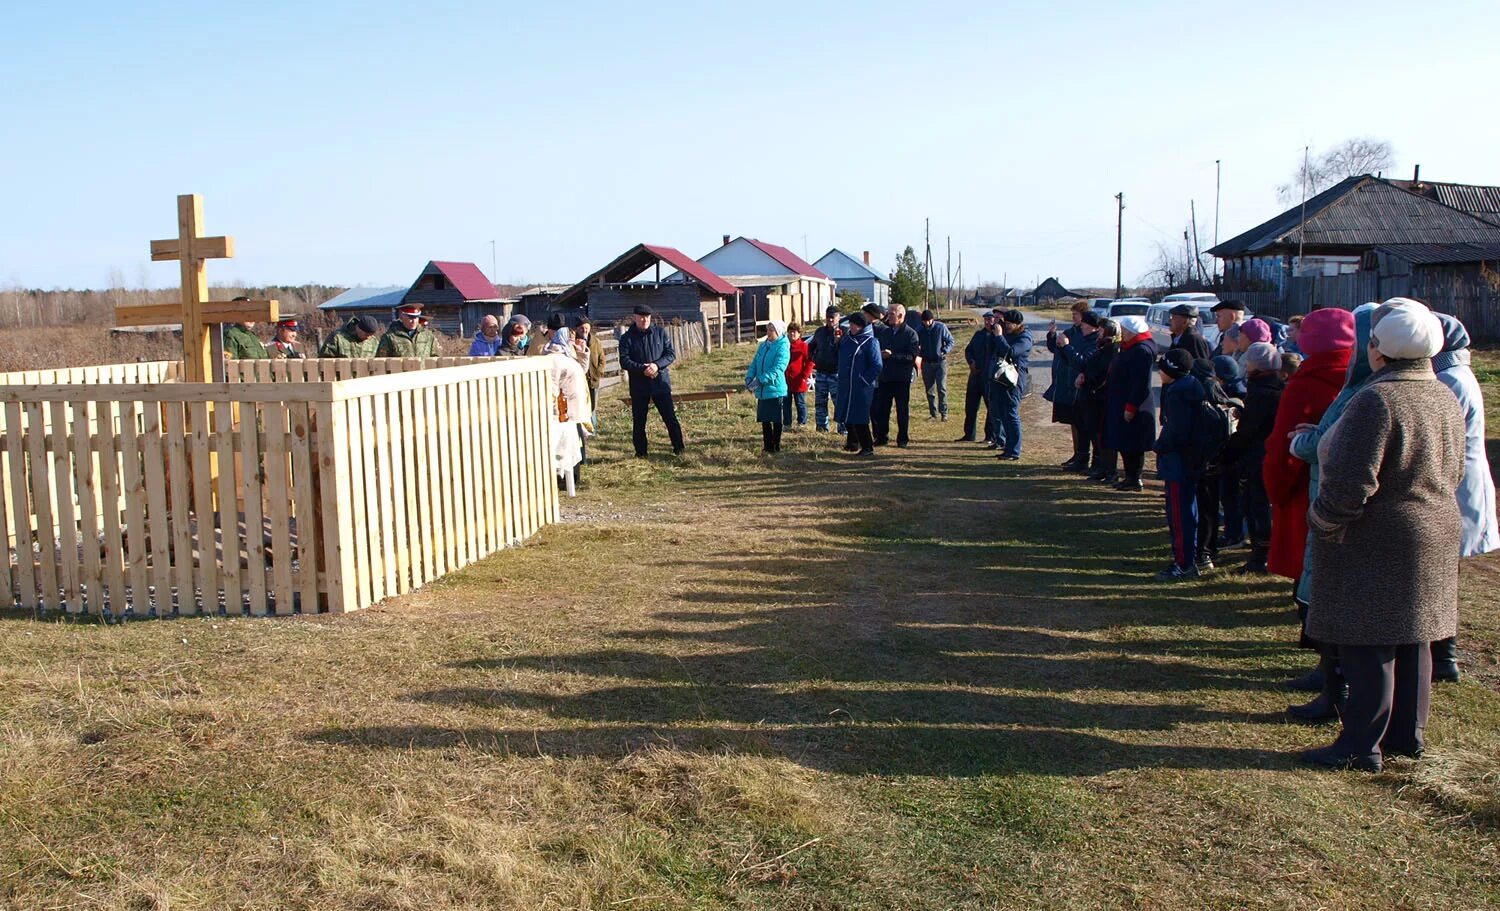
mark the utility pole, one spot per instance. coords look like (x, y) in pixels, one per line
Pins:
(1187, 252)
(948, 297)
(927, 263)
(960, 277)
(1218, 183)
(1197, 250)
(1119, 238)
(1302, 228)
(494, 269)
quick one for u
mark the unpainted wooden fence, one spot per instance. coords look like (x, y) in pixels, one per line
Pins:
(1475, 303)
(297, 486)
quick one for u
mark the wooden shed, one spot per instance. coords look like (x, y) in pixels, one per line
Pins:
(691, 293)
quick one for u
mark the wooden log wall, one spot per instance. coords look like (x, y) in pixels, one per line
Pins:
(158, 497)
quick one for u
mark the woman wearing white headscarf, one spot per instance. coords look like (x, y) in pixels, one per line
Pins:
(1384, 567)
(766, 377)
(571, 417)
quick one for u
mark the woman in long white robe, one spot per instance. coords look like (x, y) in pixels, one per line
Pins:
(572, 422)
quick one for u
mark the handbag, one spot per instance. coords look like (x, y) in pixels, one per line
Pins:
(1006, 374)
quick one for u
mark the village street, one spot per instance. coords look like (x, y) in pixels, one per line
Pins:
(931, 680)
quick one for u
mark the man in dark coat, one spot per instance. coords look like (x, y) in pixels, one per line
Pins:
(645, 354)
(1012, 343)
(1177, 463)
(1130, 421)
(976, 355)
(1091, 361)
(899, 349)
(859, 373)
(823, 348)
(1226, 313)
(1185, 335)
(937, 341)
(1063, 393)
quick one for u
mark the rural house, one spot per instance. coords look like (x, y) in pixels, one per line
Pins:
(774, 282)
(850, 274)
(455, 296)
(1365, 239)
(692, 293)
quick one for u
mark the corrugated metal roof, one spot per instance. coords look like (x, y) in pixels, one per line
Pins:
(829, 264)
(366, 298)
(1364, 212)
(1431, 254)
(691, 267)
(787, 258)
(638, 259)
(1479, 201)
(466, 279)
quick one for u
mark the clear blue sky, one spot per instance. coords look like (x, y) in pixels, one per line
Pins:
(349, 144)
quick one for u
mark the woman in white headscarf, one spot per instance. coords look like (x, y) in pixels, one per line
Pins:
(1383, 560)
(571, 418)
(1130, 418)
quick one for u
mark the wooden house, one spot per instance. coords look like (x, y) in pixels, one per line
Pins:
(774, 282)
(850, 274)
(691, 292)
(454, 297)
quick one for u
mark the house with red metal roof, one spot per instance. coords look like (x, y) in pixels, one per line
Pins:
(454, 297)
(774, 282)
(691, 292)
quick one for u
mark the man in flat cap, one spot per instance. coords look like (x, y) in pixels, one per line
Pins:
(406, 336)
(645, 354)
(355, 339)
(1183, 320)
(1227, 313)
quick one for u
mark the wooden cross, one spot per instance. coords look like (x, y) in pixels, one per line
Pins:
(195, 312)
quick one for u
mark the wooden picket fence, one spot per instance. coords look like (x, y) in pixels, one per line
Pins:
(317, 485)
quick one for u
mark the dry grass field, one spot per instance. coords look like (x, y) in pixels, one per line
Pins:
(929, 681)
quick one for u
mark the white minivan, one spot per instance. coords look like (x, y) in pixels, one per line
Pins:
(1207, 325)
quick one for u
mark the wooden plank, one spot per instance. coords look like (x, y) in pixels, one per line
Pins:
(279, 491)
(420, 559)
(63, 483)
(7, 581)
(507, 446)
(331, 450)
(119, 389)
(466, 466)
(486, 457)
(452, 480)
(389, 411)
(252, 492)
(18, 482)
(376, 502)
(134, 493)
(360, 498)
(112, 551)
(206, 577)
(229, 525)
(180, 485)
(306, 502)
(41, 503)
(437, 508)
(377, 412)
(157, 518)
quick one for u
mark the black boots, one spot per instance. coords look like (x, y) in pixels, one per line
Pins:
(1310, 682)
(1445, 660)
(1257, 562)
(1330, 701)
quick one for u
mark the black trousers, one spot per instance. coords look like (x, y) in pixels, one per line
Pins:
(1134, 463)
(859, 436)
(1256, 505)
(1208, 518)
(640, 406)
(887, 394)
(1390, 696)
(974, 393)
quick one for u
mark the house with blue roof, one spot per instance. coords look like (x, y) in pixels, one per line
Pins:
(850, 274)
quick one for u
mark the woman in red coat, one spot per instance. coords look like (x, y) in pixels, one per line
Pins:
(799, 371)
(1327, 343)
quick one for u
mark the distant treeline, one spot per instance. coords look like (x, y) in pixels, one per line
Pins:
(22, 307)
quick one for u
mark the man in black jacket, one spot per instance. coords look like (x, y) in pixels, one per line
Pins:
(645, 354)
(976, 354)
(899, 348)
(824, 351)
(1185, 335)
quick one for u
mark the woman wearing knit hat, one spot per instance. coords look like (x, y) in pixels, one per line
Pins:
(1177, 464)
(1130, 424)
(1383, 560)
(1246, 448)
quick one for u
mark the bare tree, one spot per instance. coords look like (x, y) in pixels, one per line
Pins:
(1350, 158)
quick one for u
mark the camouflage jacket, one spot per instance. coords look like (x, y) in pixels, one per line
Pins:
(342, 344)
(397, 343)
(241, 343)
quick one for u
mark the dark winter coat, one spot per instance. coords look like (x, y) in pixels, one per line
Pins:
(859, 370)
(1094, 367)
(977, 351)
(1246, 449)
(1066, 369)
(1385, 525)
(904, 346)
(1179, 403)
(824, 349)
(637, 349)
(1017, 349)
(1129, 393)
(1193, 343)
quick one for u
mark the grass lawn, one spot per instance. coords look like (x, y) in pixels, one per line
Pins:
(933, 680)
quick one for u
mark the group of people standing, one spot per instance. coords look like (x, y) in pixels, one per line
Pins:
(1348, 452)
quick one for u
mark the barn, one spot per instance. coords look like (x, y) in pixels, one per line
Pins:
(691, 293)
(774, 282)
(454, 295)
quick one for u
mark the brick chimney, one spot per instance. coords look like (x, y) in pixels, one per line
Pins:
(867, 257)
(726, 240)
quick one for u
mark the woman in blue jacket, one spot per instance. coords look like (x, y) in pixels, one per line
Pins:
(859, 372)
(766, 377)
(1130, 422)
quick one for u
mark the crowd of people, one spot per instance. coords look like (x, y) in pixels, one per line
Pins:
(1344, 450)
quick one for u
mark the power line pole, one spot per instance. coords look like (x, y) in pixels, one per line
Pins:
(1197, 249)
(494, 269)
(948, 297)
(927, 264)
(1302, 228)
(1119, 238)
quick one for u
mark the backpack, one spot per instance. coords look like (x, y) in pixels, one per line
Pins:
(1213, 424)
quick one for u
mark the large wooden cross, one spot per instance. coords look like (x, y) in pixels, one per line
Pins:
(195, 312)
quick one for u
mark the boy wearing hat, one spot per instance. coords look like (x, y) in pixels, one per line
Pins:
(406, 336)
(1176, 462)
(285, 346)
(355, 339)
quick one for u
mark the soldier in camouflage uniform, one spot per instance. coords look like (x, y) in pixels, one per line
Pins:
(355, 339)
(407, 337)
(241, 343)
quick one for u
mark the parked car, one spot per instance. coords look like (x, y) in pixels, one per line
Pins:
(1127, 306)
